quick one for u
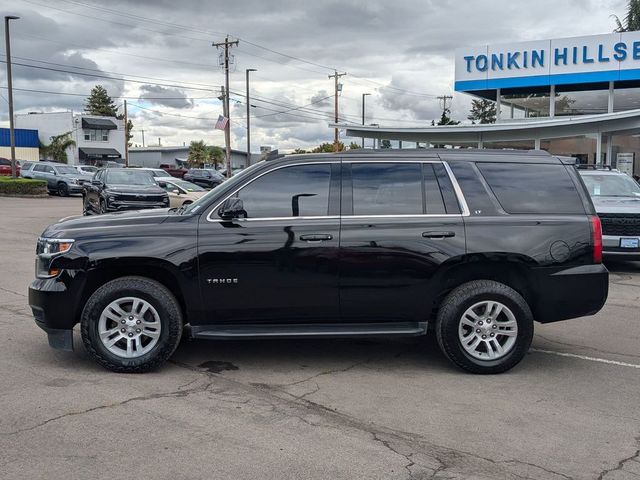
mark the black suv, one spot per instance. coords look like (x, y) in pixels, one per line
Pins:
(117, 189)
(205, 177)
(476, 244)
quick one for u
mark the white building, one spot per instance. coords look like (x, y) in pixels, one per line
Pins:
(98, 139)
(154, 156)
(570, 96)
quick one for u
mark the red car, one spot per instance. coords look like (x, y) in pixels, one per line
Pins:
(5, 167)
(174, 171)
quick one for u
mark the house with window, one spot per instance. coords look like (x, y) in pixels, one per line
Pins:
(97, 139)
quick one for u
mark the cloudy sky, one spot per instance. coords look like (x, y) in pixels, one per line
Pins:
(158, 55)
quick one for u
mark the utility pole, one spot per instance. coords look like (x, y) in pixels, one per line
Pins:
(363, 95)
(227, 131)
(12, 132)
(337, 88)
(249, 118)
(126, 135)
(444, 99)
(143, 137)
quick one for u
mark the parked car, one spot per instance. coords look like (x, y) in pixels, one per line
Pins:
(86, 169)
(117, 189)
(5, 167)
(155, 172)
(174, 171)
(205, 177)
(61, 178)
(616, 197)
(180, 191)
(475, 243)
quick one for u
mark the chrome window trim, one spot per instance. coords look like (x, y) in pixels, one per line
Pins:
(456, 187)
(215, 209)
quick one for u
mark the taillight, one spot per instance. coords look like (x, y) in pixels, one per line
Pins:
(596, 238)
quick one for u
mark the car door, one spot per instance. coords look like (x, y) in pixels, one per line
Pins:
(279, 263)
(400, 221)
(92, 191)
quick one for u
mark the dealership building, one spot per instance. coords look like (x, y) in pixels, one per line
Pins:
(571, 96)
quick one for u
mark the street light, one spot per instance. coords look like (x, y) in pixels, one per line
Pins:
(12, 133)
(363, 95)
(248, 118)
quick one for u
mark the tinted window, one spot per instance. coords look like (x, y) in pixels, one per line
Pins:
(288, 192)
(129, 177)
(387, 188)
(40, 168)
(433, 196)
(473, 189)
(532, 188)
(446, 188)
(4, 161)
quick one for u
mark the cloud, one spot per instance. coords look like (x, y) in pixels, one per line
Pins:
(169, 97)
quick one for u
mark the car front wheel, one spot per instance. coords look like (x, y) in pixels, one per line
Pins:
(131, 325)
(63, 189)
(484, 326)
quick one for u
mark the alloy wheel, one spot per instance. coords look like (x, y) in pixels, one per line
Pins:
(488, 330)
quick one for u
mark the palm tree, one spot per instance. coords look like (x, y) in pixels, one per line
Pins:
(57, 149)
(631, 19)
(199, 153)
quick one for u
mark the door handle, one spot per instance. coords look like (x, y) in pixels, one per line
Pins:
(316, 237)
(438, 235)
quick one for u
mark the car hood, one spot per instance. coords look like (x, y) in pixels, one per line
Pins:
(71, 227)
(136, 189)
(84, 178)
(617, 204)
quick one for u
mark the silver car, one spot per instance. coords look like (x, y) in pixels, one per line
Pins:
(61, 178)
(616, 197)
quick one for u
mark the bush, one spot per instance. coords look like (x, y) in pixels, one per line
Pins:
(19, 187)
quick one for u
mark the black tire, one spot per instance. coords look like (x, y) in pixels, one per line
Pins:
(103, 206)
(85, 207)
(454, 306)
(63, 189)
(159, 297)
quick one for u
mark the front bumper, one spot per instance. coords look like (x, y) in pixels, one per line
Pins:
(612, 250)
(75, 188)
(570, 293)
(117, 206)
(55, 305)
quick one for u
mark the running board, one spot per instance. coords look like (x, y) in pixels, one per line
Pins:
(310, 330)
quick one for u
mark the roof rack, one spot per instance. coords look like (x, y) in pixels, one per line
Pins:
(600, 166)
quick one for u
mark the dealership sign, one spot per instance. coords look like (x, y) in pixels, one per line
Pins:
(597, 58)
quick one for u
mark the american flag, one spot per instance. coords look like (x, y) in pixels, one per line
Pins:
(221, 124)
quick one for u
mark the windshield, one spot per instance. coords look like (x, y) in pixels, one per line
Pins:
(129, 177)
(204, 200)
(611, 185)
(188, 186)
(66, 170)
(89, 169)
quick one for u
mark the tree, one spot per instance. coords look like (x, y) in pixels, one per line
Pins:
(299, 151)
(385, 144)
(445, 119)
(216, 155)
(482, 111)
(631, 19)
(100, 103)
(199, 153)
(354, 146)
(57, 149)
(327, 148)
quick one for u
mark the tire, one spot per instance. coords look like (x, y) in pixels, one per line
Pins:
(163, 305)
(103, 206)
(85, 207)
(455, 320)
(63, 189)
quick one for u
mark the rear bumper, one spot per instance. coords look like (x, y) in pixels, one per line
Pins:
(570, 293)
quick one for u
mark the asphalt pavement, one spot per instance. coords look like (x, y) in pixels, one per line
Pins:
(315, 409)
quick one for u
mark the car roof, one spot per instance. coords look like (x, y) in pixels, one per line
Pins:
(447, 154)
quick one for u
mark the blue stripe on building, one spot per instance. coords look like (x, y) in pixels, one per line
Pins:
(24, 138)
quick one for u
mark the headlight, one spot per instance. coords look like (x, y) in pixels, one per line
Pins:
(47, 249)
(111, 198)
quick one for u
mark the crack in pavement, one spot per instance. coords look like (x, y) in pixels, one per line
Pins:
(326, 372)
(620, 467)
(414, 442)
(173, 394)
(14, 293)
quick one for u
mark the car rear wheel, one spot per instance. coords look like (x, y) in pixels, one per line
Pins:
(63, 189)
(484, 327)
(103, 206)
(131, 325)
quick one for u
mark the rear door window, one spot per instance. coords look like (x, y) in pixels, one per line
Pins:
(387, 188)
(532, 188)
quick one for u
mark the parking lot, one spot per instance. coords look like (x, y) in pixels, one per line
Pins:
(330, 409)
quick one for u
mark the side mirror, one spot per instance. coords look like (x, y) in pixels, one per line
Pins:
(176, 191)
(162, 184)
(232, 208)
(97, 183)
